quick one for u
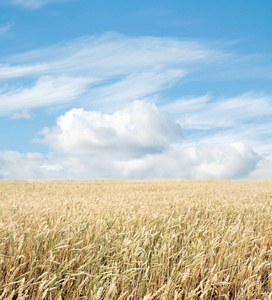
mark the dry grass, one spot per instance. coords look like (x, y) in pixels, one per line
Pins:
(135, 240)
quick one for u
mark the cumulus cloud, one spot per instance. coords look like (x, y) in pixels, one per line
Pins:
(138, 141)
(263, 169)
(217, 161)
(201, 161)
(136, 130)
(15, 165)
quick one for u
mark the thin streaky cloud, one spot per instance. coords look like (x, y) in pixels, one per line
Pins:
(110, 54)
(34, 4)
(24, 114)
(8, 72)
(5, 28)
(209, 119)
(122, 69)
(46, 91)
(134, 87)
(207, 111)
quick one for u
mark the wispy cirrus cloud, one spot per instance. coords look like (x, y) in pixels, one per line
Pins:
(109, 55)
(46, 91)
(24, 114)
(123, 69)
(207, 112)
(33, 4)
(8, 72)
(4, 28)
(245, 118)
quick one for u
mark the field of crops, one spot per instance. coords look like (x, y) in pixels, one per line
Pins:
(136, 240)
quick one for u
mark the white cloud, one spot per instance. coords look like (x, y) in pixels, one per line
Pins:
(263, 169)
(20, 166)
(218, 161)
(136, 130)
(201, 161)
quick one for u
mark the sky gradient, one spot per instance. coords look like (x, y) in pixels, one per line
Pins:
(143, 89)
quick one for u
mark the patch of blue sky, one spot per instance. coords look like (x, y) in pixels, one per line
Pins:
(228, 20)
(196, 134)
(17, 134)
(218, 89)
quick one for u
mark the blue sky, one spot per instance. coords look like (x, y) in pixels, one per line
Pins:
(142, 89)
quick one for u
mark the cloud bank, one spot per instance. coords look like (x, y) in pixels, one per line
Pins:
(138, 141)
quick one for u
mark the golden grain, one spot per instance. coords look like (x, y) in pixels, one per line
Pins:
(125, 240)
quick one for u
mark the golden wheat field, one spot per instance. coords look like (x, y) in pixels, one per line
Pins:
(136, 239)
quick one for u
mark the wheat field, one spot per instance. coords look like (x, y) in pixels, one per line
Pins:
(136, 239)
